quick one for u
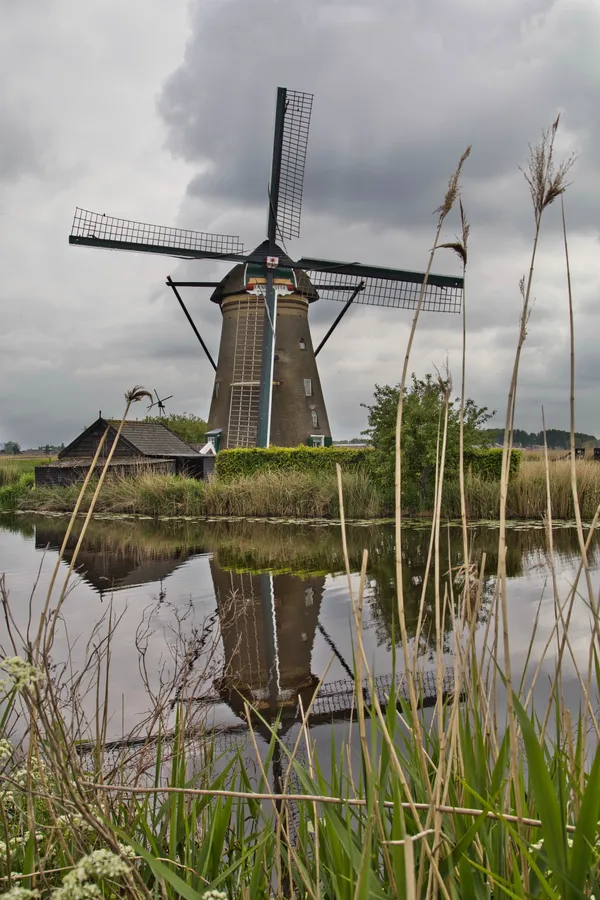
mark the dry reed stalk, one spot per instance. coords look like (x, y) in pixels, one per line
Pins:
(460, 247)
(582, 547)
(450, 198)
(546, 183)
(357, 610)
(378, 711)
(437, 788)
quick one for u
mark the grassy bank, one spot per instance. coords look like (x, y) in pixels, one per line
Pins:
(315, 495)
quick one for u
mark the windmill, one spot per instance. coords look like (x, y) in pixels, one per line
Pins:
(160, 403)
(267, 387)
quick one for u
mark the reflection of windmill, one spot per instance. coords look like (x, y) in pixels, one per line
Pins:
(160, 403)
(267, 387)
(268, 625)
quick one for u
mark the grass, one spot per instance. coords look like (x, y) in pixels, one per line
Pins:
(303, 495)
(265, 494)
(11, 468)
(494, 793)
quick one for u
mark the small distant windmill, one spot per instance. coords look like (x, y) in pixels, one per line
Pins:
(267, 387)
(160, 403)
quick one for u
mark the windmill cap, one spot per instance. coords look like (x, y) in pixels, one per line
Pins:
(234, 281)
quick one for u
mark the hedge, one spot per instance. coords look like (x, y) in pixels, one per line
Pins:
(230, 464)
(241, 462)
(487, 463)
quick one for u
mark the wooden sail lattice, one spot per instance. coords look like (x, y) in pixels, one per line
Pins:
(242, 426)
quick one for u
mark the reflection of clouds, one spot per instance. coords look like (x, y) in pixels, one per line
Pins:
(170, 570)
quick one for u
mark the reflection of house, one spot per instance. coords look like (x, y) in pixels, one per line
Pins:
(142, 446)
(108, 566)
(268, 626)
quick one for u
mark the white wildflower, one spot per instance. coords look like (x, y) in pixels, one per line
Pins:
(78, 884)
(22, 674)
(73, 823)
(101, 864)
(126, 851)
(214, 895)
(19, 893)
(537, 846)
(6, 750)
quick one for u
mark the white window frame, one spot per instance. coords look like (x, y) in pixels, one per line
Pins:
(318, 440)
(308, 391)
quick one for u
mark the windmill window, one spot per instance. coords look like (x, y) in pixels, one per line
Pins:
(315, 418)
(317, 440)
(216, 392)
(302, 344)
(308, 387)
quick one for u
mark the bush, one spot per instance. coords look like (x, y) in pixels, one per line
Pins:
(244, 462)
(12, 493)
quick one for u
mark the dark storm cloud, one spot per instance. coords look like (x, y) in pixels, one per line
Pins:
(398, 96)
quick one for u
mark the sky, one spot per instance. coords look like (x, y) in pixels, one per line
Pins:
(163, 113)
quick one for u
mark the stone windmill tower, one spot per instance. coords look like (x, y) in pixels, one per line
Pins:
(298, 413)
(267, 387)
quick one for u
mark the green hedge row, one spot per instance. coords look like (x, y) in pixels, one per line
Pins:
(487, 463)
(240, 462)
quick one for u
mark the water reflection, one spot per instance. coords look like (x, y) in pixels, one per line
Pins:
(268, 587)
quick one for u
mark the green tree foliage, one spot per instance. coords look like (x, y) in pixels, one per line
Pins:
(557, 439)
(11, 447)
(187, 426)
(422, 421)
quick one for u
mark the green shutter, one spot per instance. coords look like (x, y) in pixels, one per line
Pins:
(309, 441)
(328, 441)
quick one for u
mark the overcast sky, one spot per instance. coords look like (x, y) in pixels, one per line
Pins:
(163, 112)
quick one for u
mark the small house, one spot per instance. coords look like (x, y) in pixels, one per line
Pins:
(142, 447)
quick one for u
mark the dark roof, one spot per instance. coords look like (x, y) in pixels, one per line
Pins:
(233, 283)
(146, 438)
(152, 439)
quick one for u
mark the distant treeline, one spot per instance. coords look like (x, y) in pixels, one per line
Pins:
(557, 439)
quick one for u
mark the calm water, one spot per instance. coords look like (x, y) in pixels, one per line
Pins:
(260, 609)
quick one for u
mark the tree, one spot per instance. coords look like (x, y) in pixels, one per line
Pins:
(422, 420)
(11, 447)
(187, 426)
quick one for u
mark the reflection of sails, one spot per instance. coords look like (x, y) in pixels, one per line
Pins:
(268, 625)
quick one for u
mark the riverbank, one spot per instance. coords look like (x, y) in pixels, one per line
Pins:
(315, 495)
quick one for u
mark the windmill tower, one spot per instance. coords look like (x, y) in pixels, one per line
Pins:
(267, 387)
(298, 413)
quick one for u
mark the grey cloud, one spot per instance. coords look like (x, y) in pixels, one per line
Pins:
(19, 153)
(391, 116)
(400, 89)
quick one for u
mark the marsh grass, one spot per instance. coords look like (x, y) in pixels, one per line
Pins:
(494, 793)
(290, 494)
(302, 495)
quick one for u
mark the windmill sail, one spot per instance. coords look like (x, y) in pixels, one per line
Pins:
(382, 286)
(298, 111)
(99, 230)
